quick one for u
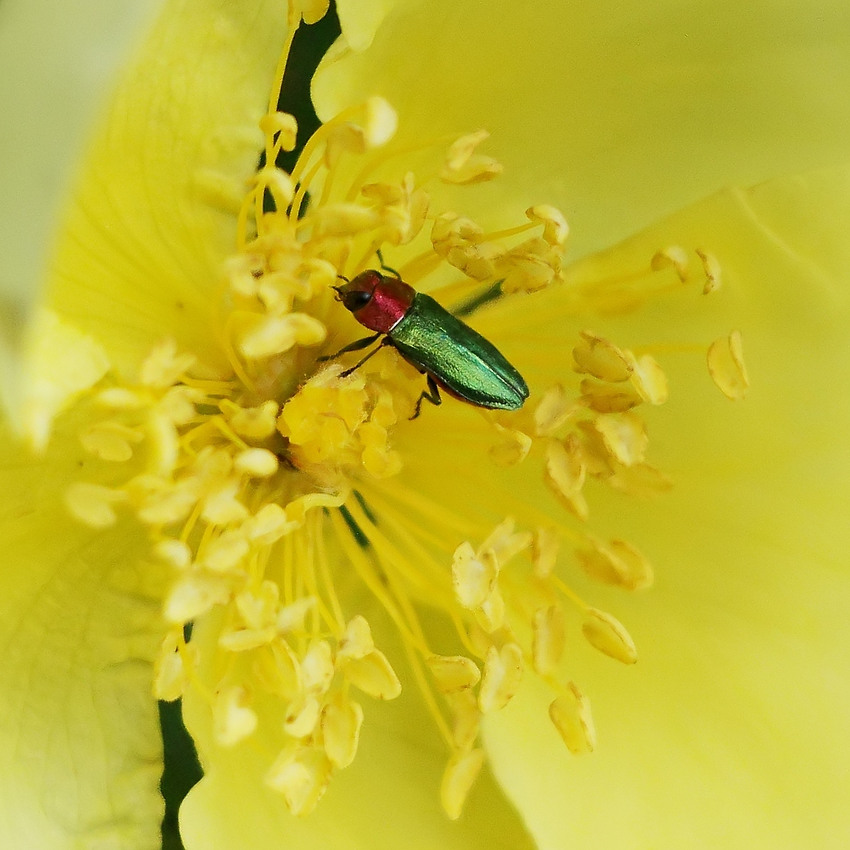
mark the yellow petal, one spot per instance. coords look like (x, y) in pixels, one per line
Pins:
(80, 750)
(153, 216)
(621, 114)
(360, 19)
(741, 689)
(55, 64)
(60, 364)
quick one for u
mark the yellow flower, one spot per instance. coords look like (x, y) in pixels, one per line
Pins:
(392, 620)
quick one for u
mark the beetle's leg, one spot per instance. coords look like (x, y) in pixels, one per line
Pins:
(372, 353)
(432, 394)
(385, 267)
(352, 346)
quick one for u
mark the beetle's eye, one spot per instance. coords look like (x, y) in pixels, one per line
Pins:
(355, 300)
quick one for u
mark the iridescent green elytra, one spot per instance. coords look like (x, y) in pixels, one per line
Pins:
(463, 361)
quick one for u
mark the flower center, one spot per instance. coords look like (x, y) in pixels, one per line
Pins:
(274, 492)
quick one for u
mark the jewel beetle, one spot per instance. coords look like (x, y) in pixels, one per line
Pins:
(446, 350)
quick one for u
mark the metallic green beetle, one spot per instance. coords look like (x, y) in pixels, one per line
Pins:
(450, 353)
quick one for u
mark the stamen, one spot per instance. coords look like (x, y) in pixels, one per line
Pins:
(503, 669)
(726, 366)
(263, 486)
(570, 714)
(608, 635)
(458, 779)
(713, 272)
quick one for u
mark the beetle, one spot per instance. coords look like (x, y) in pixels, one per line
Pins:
(446, 350)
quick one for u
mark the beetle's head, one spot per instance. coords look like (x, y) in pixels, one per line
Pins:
(356, 294)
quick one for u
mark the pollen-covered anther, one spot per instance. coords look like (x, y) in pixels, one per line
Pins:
(458, 778)
(356, 641)
(453, 231)
(641, 480)
(555, 227)
(344, 220)
(302, 715)
(340, 723)
(164, 367)
(529, 267)
(713, 271)
(241, 273)
(222, 507)
(379, 121)
(177, 405)
(553, 411)
(649, 380)
(624, 436)
(110, 441)
(162, 502)
(268, 525)
(544, 552)
(608, 398)
(93, 504)
(571, 716)
(476, 261)
(290, 618)
(599, 357)
(301, 775)
(490, 615)
(726, 366)
(608, 635)
(317, 667)
(283, 125)
(369, 125)
(565, 475)
(503, 669)
(195, 594)
(252, 423)
(512, 448)
(364, 666)
(617, 563)
(453, 673)
(169, 668)
(548, 639)
(466, 717)
(224, 552)
(378, 459)
(278, 183)
(233, 718)
(505, 542)
(258, 606)
(321, 418)
(402, 208)
(373, 674)
(473, 576)
(277, 334)
(175, 553)
(675, 257)
(463, 165)
(256, 463)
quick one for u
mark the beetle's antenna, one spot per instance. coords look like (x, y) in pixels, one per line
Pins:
(338, 289)
(384, 266)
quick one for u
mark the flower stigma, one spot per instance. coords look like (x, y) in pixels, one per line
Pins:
(275, 493)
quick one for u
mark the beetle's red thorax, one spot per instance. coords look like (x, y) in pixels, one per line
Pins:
(391, 299)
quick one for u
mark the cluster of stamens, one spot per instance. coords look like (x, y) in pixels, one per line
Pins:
(262, 487)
